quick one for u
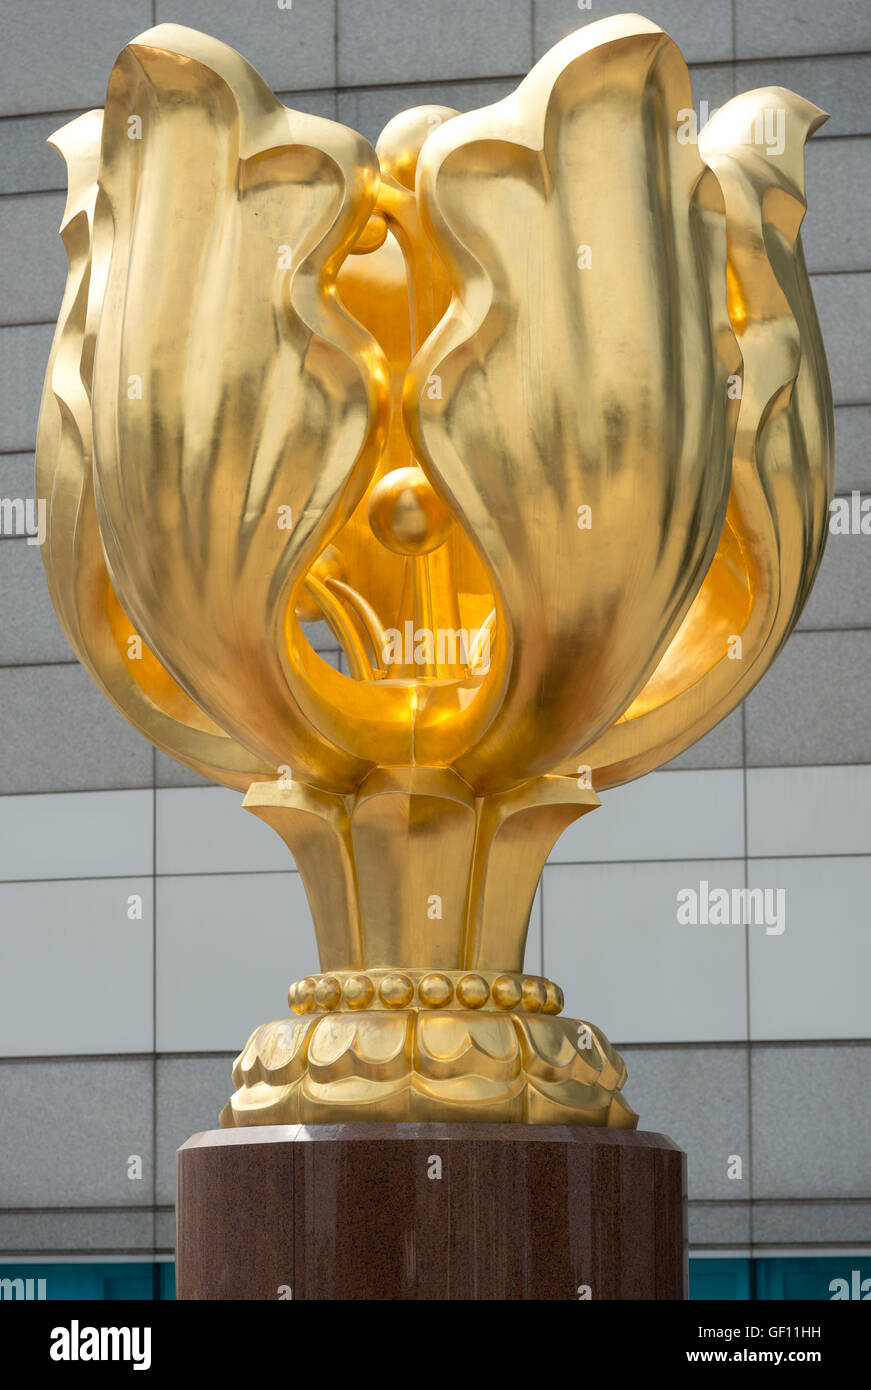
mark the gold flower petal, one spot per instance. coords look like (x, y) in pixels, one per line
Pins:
(87, 607)
(783, 462)
(583, 364)
(238, 407)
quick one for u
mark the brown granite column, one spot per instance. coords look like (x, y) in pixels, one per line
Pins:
(431, 1211)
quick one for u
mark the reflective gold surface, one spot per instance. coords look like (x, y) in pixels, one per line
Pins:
(530, 407)
(417, 1064)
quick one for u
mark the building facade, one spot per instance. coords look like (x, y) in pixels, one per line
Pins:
(147, 924)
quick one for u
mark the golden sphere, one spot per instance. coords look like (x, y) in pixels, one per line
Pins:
(534, 995)
(328, 565)
(359, 992)
(506, 992)
(435, 991)
(328, 992)
(302, 996)
(373, 235)
(473, 991)
(406, 515)
(555, 1001)
(396, 991)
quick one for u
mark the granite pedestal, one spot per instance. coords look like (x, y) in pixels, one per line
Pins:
(431, 1211)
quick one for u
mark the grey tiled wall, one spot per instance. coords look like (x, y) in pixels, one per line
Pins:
(119, 1032)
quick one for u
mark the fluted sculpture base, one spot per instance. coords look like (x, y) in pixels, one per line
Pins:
(431, 1211)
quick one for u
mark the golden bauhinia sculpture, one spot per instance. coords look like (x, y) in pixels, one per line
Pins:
(530, 406)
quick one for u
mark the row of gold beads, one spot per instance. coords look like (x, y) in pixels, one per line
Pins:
(396, 990)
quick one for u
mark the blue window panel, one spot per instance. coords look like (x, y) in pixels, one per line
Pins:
(813, 1278)
(712, 1279)
(734, 1280)
(91, 1282)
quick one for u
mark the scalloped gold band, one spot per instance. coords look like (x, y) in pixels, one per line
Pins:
(428, 1064)
(425, 989)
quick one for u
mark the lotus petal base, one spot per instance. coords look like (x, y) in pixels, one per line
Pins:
(439, 1064)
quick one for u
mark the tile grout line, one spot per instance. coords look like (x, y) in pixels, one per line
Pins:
(164, 1208)
(283, 90)
(23, 450)
(214, 1054)
(666, 772)
(800, 631)
(796, 856)
(657, 772)
(744, 788)
(154, 982)
(541, 916)
(748, 986)
(639, 1044)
